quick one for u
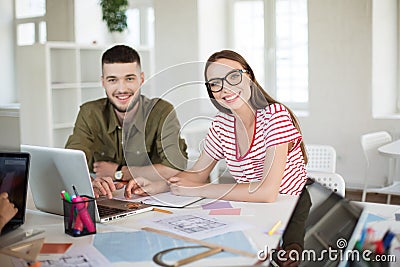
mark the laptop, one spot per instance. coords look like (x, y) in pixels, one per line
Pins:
(333, 223)
(57, 169)
(14, 173)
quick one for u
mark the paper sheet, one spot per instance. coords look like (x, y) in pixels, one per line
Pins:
(198, 226)
(77, 256)
(144, 245)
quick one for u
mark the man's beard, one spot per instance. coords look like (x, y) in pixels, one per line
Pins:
(131, 105)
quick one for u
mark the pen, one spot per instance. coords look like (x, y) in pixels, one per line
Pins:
(75, 191)
(121, 182)
(161, 210)
(275, 227)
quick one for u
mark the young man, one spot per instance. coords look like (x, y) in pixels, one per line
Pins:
(128, 135)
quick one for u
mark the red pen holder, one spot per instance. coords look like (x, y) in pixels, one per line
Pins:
(79, 217)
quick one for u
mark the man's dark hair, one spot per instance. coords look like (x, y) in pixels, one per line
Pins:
(120, 54)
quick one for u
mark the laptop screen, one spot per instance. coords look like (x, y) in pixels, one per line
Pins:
(330, 223)
(14, 168)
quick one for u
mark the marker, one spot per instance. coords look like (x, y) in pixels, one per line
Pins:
(83, 212)
(66, 195)
(275, 227)
(387, 239)
(161, 210)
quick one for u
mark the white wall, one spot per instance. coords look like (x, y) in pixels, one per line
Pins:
(178, 76)
(89, 27)
(340, 69)
(8, 92)
(384, 56)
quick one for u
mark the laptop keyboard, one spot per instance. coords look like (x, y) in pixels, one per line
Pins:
(106, 211)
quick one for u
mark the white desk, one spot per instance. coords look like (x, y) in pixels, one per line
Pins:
(260, 216)
(392, 150)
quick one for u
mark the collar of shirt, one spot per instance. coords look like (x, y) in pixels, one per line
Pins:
(138, 120)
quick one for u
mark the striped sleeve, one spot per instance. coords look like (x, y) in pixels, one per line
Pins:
(280, 128)
(212, 144)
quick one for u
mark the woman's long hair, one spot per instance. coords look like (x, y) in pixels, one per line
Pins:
(259, 97)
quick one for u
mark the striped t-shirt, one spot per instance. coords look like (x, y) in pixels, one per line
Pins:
(273, 126)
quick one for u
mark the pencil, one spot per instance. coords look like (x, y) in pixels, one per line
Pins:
(121, 182)
(275, 227)
(160, 210)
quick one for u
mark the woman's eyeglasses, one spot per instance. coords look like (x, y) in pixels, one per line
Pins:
(233, 77)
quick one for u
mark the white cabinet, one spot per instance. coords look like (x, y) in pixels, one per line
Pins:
(54, 79)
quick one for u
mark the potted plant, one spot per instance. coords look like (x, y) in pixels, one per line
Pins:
(114, 14)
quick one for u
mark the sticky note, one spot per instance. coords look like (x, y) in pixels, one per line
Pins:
(233, 211)
(55, 248)
(217, 205)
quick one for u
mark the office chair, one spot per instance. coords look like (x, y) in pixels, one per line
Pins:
(321, 158)
(376, 164)
(333, 181)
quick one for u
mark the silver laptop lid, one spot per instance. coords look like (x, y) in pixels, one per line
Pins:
(54, 170)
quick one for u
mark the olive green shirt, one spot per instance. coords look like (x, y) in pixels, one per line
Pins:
(151, 137)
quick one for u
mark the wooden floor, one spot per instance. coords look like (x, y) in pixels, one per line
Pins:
(371, 197)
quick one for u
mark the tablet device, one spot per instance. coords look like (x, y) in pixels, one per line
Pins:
(14, 173)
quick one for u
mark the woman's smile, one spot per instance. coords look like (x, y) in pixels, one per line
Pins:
(232, 97)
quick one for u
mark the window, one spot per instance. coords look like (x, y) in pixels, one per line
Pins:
(141, 23)
(248, 29)
(291, 51)
(273, 36)
(30, 8)
(30, 22)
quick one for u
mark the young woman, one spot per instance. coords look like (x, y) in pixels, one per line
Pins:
(259, 138)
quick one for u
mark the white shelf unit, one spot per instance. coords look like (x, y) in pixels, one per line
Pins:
(54, 79)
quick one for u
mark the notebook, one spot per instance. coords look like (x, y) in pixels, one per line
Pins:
(57, 169)
(334, 223)
(166, 199)
(14, 173)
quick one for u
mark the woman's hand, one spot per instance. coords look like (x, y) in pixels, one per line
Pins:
(183, 187)
(143, 187)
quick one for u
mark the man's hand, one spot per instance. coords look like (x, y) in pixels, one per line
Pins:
(105, 168)
(144, 187)
(7, 209)
(104, 186)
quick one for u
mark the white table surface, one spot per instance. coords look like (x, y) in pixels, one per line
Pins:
(259, 216)
(391, 149)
